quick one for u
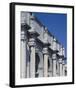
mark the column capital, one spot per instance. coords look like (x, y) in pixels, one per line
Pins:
(54, 56)
(60, 60)
(63, 62)
(45, 50)
(23, 36)
(65, 65)
(32, 42)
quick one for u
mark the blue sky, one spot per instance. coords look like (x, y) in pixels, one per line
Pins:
(56, 24)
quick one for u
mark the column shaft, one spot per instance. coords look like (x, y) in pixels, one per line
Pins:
(58, 68)
(54, 64)
(28, 68)
(45, 65)
(50, 68)
(61, 69)
(23, 53)
(23, 59)
(32, 62)
(54, 67)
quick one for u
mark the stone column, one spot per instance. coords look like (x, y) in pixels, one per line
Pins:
(40, 66)
(32, 43)
(50, 68)
(32, 57)
(63, 64)
(28, 69)
(61, 67)
(45, 52)
(58, 51)
(58, 68)
(65, 69)
(61, 60)
(28, 62)
(54, 56)
(54, 64)
(23, 55)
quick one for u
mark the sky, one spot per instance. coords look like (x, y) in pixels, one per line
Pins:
(56, 24)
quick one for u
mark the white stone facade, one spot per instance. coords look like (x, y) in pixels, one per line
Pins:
(41, 54)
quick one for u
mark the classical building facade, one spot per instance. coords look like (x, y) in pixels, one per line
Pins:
(41, 53)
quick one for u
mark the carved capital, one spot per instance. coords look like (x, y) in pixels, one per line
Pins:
(54, 56)
(63, 62)
(60, 61)
(32, 42)
(23, 36)
(45, 51)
